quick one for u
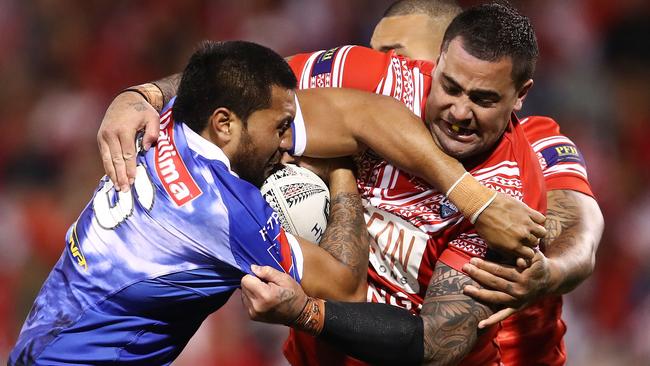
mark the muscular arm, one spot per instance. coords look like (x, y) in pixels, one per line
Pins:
(575, 226)
(379, 333)
(337, 267)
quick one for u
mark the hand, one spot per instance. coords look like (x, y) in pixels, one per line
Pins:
(272, 296)
(511, 226)
(514, 287)
(128, 113)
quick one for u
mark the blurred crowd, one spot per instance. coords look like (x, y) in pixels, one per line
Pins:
(62, 61)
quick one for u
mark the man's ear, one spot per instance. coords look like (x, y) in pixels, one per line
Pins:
(221, 126)
(521, 95)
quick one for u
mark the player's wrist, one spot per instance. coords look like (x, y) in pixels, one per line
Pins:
(312, 317)
(470, 197)
(151, 94)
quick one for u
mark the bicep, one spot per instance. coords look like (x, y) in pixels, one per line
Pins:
(572, 211)
(450, 317)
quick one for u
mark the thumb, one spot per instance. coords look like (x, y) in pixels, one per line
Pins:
(267, 274)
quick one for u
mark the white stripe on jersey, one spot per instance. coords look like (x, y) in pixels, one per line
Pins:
(297, 252)
(549, 141)
(521, 122)
(299, 131)
(387, 176)
(306, 70)
(566, 168)
(417, 85)
(507, 168)
(339, 65)
(388, 83)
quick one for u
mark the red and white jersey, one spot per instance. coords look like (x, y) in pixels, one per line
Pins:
(562, 163)
(412, 224)
(534, 335)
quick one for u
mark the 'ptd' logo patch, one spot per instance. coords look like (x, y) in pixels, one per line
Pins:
(565, 153)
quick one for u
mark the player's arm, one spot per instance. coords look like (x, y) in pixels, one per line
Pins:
(575, 225)
(134, 109)
(337, 267)
(377, 333)
(332, 116)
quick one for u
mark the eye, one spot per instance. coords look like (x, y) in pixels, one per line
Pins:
(451, 89)
(284, 126)
(483, 102)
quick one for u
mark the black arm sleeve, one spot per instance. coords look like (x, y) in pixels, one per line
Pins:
(374, 333)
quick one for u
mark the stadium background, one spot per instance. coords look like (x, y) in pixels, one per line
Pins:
(62, 61)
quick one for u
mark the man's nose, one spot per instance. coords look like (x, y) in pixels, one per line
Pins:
(286, 142)
(461, 111)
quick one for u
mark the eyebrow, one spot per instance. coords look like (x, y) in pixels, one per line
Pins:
(389, 47)
(479, 93)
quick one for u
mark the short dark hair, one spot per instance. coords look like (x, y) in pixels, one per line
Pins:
(432, 8)
(493, 31)
(236, 75)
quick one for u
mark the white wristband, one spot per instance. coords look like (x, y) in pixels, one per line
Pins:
(480, 210)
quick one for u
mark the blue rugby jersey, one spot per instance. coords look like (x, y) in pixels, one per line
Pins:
(141, 270)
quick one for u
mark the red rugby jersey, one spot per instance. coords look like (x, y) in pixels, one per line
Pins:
(413, 225)
(534, 336)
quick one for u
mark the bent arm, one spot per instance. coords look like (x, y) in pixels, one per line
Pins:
(337, 267)
(575, 225)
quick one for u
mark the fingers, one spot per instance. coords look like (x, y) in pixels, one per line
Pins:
(107, 162)
(487, 279)
(127, 144)
(496, 317)
(539, 231)
(151, 131)
(500, 270)
(488, 296)
(537, 217)
(524, 252)
(113, 160)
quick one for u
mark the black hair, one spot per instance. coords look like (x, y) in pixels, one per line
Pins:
(236, 75)
(493, 31)
(432, 8)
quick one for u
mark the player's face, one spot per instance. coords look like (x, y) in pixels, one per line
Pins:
(416, 36)
(471, 101)
(267, 136)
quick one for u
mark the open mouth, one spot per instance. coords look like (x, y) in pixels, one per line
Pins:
(457, 132)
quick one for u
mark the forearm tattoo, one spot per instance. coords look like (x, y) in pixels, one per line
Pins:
(561, 216)
(450, 318)
(346, 238)
(168, 87)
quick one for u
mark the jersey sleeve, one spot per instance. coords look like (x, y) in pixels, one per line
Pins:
(341, 67)
(256, 236)
(463, 248)
(561, 161)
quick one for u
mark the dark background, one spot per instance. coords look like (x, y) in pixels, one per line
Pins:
(62, 61)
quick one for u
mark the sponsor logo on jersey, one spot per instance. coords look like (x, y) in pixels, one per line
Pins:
(75, 250)
(397, 248)
(324, 63)
(171, 169)
(447, 209)
(564, 153)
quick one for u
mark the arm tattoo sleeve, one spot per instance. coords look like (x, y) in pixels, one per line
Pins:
(450, 318)
(562, 214)
(168, 86)
(346, 238)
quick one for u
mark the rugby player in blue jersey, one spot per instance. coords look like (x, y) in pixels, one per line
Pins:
(142, 269)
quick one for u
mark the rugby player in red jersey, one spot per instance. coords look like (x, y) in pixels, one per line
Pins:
(483, 75)
(414, 28)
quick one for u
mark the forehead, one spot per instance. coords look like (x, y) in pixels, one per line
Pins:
(472, 72)
(395, 28)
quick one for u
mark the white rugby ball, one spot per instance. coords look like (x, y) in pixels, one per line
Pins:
(301, 199)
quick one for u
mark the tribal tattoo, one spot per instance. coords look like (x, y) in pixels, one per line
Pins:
(346, 238)
(450, 318)
(561, 215)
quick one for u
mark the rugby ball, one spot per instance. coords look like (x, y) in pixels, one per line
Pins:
(301, 199)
